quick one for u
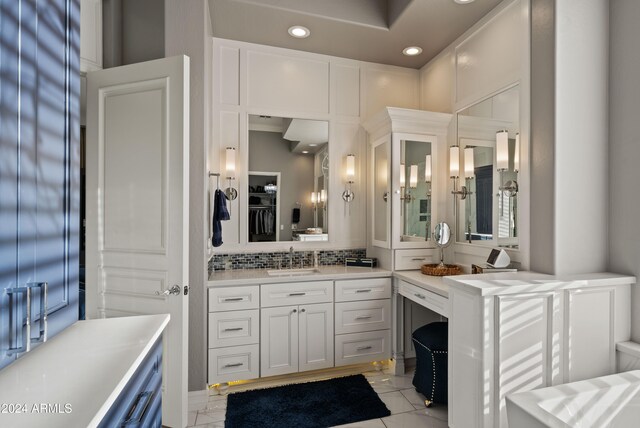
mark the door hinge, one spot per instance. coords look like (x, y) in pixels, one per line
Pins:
(186, 290)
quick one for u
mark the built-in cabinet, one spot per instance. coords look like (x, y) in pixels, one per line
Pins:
(289, 327)
(526, 332)
(90, 35)
(407, 184)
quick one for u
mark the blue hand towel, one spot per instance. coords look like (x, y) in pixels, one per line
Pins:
(220, 213)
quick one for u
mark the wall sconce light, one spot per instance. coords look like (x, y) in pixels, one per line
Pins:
(454, 172)
(510, 188)
(350, 173)
(314, 202)
(427, 174)
(230, 162)
(405, 192)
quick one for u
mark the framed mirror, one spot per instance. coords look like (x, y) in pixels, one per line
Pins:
(489, 149)
(415, 190)
(288, 179)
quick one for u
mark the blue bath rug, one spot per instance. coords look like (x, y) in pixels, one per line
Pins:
(310, 405)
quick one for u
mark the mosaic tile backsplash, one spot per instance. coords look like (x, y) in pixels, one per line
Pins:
(274, 260)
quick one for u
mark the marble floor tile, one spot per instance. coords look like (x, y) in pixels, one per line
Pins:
(396, 402)
(371, 423)
(191, 418)
(414, 419)
(382, 383)
(206, 417)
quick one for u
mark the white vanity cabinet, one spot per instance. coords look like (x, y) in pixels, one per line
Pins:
(299, 336)
(363, 320)
(408, 187)
(517, 332)
(233, 326)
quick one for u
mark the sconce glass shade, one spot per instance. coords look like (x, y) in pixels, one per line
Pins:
(502, 150)
(230, 162)
(454, 161)
(323, 195)
(413, 176)
(469, 165)
(403, 173)
(427, 169)
(516, 155)
(314, 198)
(351, 168)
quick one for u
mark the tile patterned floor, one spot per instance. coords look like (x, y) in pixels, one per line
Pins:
(405, 404)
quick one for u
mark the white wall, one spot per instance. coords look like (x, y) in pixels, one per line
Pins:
(187, 31)
(624, 146)
(489, 57)
(256, 79)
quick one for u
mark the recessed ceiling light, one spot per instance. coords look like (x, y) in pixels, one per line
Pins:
(412, 51)
(299, 32)
(463, 1)
(312, 145)
(305, 151)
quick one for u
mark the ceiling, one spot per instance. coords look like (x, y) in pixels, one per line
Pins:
(365, 30)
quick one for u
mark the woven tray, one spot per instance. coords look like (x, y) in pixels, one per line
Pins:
(437, 270)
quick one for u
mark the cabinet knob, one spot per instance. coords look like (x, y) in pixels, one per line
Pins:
(295, 310)
(302, 310)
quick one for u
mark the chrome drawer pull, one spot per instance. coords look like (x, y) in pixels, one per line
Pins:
(234, 329)
(367, 290)
(296, 294)
(420, 296)
(363, 317)
(363, 348)
(233, 299)
(139, 409)
(233, 365)
(417, 259)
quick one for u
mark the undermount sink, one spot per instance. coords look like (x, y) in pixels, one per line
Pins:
(284, 272)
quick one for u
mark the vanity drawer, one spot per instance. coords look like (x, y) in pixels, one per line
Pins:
(358, 348)
(234, 363)
(428, 299)
(413, 259)
(368, 315)
(296, 293)
(234, 298)
(234, 328)
(363, 289)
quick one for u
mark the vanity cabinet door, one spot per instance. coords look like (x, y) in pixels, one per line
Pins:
(316, 337)
(279, 341)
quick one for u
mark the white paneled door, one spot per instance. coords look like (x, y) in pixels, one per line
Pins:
(137, 206)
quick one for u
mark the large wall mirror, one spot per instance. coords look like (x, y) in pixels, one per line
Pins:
(489, 149)
(288, 179)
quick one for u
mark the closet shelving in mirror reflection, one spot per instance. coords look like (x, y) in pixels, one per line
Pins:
(287, 163)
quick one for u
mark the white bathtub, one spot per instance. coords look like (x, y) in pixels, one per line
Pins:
(607, 401)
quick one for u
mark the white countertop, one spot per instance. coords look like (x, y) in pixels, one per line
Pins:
(607, 401)
(260, 276)
(530, 282)
(86, 366)
(434, 284)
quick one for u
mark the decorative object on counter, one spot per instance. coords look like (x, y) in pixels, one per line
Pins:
(220, 212)
(313, 404)
(361, 262)
(230, 161)
(313, 230)
(442, 237)
(440, 270)
(498, 258)
(476, 269)
(350, 174)
(272, 260)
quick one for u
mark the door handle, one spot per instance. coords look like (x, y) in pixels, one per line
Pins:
(139, 409)
(296, 294)
(420, 296)
(234, 329)
(363, 348)
(13, 293)
(363, 317)
(173, 291)
(368, 290)
(416, 259)
(233, 365)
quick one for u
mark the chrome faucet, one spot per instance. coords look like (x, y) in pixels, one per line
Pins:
(291, 257)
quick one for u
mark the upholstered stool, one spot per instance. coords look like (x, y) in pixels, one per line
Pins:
(430, 379)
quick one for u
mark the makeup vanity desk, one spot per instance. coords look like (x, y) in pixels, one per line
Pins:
(511, 332)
